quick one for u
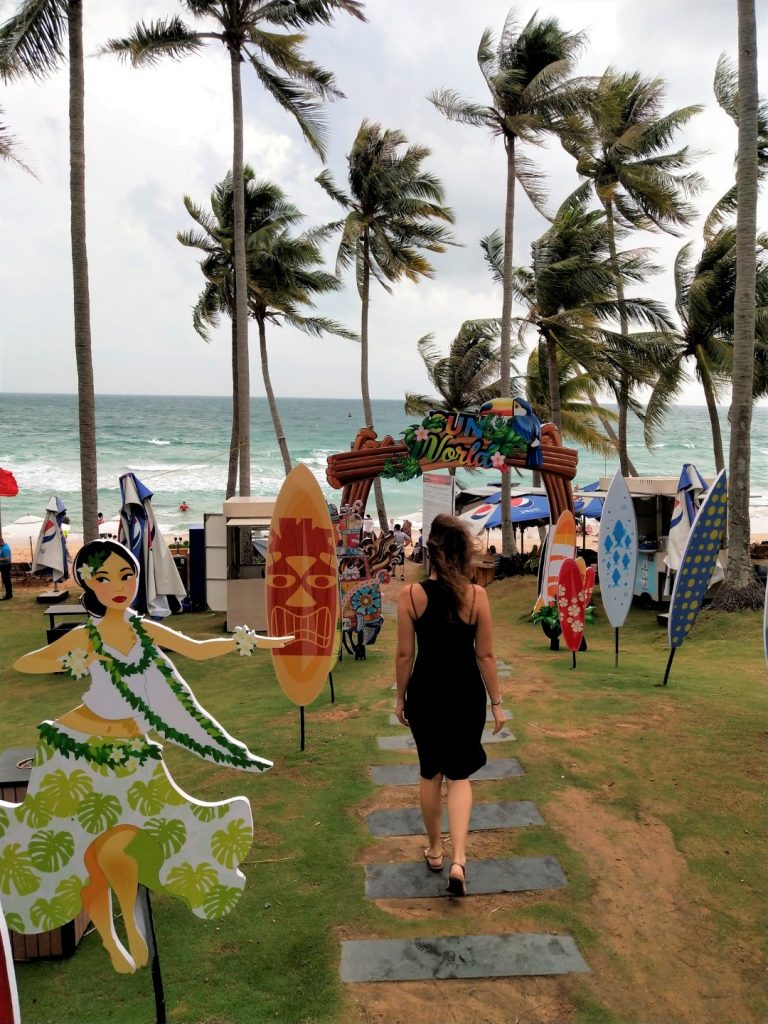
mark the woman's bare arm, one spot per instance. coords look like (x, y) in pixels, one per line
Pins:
(48, 659)
(204, 650)
(486, 658)
(406, 650)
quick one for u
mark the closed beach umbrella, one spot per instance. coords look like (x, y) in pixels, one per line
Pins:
(691, 489)
(51, 550)
(138, 531)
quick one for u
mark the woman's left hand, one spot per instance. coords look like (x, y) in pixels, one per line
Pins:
(499, 718)
(400, 711)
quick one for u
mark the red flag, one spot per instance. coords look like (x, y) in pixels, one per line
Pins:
(8, 486)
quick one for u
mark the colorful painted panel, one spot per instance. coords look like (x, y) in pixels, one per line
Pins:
(101, 812)
(449, 440)
(302, 587)
(617, 551)
(699, 560)
(571, 603)
(561, 544)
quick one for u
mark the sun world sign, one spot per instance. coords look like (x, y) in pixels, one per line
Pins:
(452, 440)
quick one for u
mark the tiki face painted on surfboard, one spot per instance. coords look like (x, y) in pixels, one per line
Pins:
(302, 586)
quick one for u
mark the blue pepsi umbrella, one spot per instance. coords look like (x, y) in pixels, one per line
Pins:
(524, 508)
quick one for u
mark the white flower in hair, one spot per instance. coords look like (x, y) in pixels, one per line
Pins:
(86, 571)
(76, 663)
(244, 640)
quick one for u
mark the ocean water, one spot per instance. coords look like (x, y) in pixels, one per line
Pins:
(178, 447)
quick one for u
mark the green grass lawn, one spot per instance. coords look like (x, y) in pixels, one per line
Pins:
(689, 758)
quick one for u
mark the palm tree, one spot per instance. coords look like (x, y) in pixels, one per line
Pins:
(727, 95)
(464, 379)
(296, 83)
(392, 212)
(638, 182)
(281, 269)
(570, 292)
(528, 76)
(32, 43)
(9, 147)
(704, 299)
(577, 398)
(740, 588)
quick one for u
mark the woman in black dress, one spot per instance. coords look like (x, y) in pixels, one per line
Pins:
(446, 669)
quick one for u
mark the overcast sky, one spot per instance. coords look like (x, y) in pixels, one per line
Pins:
(154, 134)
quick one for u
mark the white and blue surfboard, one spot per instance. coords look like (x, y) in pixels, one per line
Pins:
(617, 551)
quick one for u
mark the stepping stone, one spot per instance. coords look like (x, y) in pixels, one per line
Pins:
(410, 879)
(460, 956)
(488, 716)
(408, 774)
(407, 821)
(406, 742)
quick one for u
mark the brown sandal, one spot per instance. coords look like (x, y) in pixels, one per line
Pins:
(458, 886)
(432, 860)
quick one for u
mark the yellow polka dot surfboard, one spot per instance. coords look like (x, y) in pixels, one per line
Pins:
(699, 558)
(561, 544)
(302, 584)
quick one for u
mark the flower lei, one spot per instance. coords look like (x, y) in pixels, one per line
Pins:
(112, 754)
(118, 669)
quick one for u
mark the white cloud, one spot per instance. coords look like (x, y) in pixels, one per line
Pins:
(158, 133)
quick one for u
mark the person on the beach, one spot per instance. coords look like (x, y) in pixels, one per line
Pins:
(5, 570)
(183, 507)
(102, 812)
(401, 539)
(445, 622)
(367, 526)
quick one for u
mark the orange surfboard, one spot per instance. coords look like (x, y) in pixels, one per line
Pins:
(562, 544)
(302, 587)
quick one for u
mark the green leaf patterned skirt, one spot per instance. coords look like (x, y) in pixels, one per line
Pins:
(82, 786)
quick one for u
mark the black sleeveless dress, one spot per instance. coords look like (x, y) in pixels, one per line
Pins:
(445, 700)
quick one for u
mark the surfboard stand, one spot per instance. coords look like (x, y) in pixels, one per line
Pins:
(616, 658)
(330, 680)
(573, 655)
(669, 666)
(145, 910)
(301, 721)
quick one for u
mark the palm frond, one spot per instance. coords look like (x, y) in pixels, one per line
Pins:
(302, 104)
(148, 44)
(32, 42)
(493, 252)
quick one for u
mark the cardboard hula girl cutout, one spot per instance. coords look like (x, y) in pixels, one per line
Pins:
(102, 814)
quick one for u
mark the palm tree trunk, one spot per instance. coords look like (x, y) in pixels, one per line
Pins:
(234, 453)
(378, 491)
(276, 422)
(714, 420)
(86, 402)
(553, 378)
(505, 349)
(241, 283)
(624, 382)
(741, 589)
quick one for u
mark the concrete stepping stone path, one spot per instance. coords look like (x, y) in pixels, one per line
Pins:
(488, 716)
(408, 774)
(460, 956)
(407, 821)
(406, 742)
(412, 879)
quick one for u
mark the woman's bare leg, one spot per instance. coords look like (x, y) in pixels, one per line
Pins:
(122, 872)
(430, 796)
(459, 810)
(97, 903)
